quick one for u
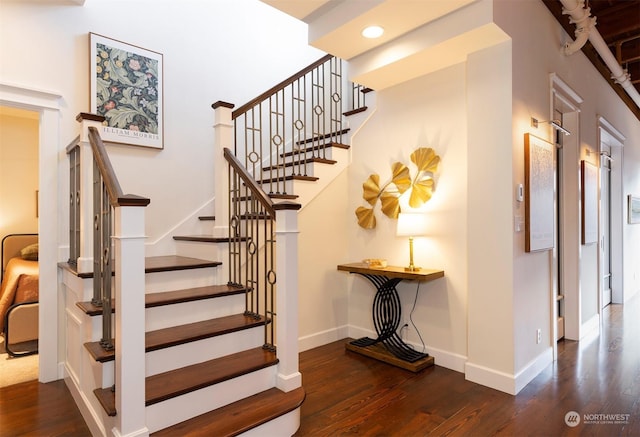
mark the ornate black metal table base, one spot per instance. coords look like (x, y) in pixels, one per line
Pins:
(387, 316)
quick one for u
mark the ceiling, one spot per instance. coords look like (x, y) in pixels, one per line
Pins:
(335, 26)
(618, 22)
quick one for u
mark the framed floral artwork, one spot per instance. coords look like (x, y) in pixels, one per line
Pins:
(126, 89)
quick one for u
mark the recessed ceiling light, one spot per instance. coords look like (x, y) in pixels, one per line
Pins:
(372, 32)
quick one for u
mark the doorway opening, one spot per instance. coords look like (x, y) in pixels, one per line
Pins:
(19, 186)
(50, 333)
(612, 218)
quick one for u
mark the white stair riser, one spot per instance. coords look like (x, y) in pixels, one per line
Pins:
(307, 191)
(302, 169)
(195, 352)
(181, 408)
(176, 280)
(288, 187)
(285, 425)
(328, 153)
(104, 374)
(199, 249)
(190, 312)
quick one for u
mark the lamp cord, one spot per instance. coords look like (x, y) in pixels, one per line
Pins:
(415, 301)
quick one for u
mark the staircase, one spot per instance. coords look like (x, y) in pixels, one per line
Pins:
(200, 348)
(210, 362)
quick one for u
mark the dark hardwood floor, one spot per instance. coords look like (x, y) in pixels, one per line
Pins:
(42, 410)
(348, 394)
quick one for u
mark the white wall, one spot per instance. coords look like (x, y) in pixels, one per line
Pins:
(18, 171)
(323, 243)
(537, 39)
(424, 112)
(229, 50)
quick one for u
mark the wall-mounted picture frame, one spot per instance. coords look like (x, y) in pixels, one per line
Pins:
(539, 198)
(633, 209)
(589, 201)
(126, 87)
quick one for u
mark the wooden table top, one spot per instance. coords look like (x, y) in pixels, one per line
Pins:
(392, 272)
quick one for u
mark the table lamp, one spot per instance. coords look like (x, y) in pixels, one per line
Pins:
(411, 224)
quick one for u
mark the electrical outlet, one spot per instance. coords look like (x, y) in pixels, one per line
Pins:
(539, 336)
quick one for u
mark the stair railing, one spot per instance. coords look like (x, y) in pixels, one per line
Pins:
(290, 124)
(116, 245)
(252, 245)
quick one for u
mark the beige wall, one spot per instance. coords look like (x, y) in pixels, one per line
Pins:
(424, 112)
(18, 171)
(230, 50)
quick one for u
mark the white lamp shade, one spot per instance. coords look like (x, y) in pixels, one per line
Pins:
(411, 224)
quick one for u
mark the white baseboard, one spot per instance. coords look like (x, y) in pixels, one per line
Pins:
(590, 327)
(88, 414)
(492, 378)
(533, 369)
(321, 338)
(507, 382)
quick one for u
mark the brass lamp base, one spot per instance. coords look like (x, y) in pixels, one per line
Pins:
(411, 267)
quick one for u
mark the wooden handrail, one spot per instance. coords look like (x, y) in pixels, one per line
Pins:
(255, 189)
(250, 104)
(73, 144)
(116, 197)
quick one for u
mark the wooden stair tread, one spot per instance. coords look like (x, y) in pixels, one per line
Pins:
(323, 137)
(191, 294)
(171, 297)
(157, 264)
(173, 262)
(107, 399)
(283, 196)
(355, 111)
(289, 178)
(301, 162)
(318, 147)
(190, 378)
(175, 335)
(201, 238)
(186, 379)
(240, 416)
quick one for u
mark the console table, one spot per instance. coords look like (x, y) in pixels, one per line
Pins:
(387, 316)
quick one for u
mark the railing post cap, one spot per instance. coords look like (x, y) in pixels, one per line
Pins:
(286, 205)
(89, 117)
(221, 104)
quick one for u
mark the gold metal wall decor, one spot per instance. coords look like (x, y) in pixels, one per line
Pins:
(389, 193)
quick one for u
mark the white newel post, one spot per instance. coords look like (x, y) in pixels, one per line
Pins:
(130, 322)
(223, 138)
(289, 378)
(85, 258)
